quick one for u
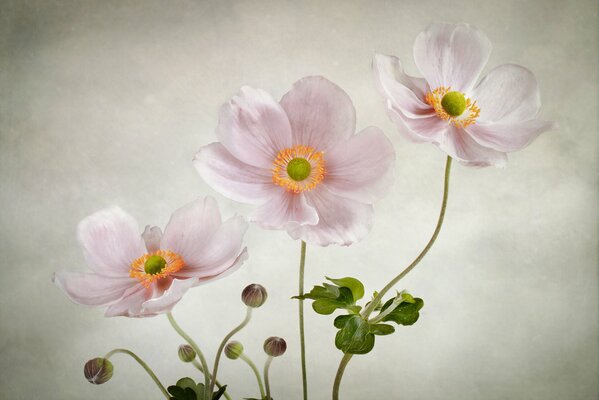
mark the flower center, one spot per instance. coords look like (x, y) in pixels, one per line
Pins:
(159, 264)
(453, 106)
(298, 169)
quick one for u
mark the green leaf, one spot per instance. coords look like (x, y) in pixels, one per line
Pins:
(326, 306)
(382, 329)
(355, 336)
(186, 383)
(341, 320)
(355, 286)
(217, 395)
(406, 313)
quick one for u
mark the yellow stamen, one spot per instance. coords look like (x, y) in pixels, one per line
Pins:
(280, 174)
(174, 262)
(468, 117)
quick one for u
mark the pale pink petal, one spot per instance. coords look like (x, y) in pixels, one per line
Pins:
(111, 241)
(284, 209)
(459, 145)
(92, 289)
(254, 127)
(321, 113)
(220, 248)
(167, 300)
(341, 221)
(509, 93)
(219, 271)
(451, 55)
(403, 91)
(420, 130)
(190, 227)
(231, 177)
(130, 305)
(508, 136)
(361, 168)
(152, 236)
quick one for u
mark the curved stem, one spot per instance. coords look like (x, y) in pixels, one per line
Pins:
(196, 348)
(218, 384)
(239, 327)
(266, 381)
(372, 306)
(249, 362)
(144, 366)
(301, 320)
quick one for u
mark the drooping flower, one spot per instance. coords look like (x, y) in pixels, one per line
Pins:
(475, 124)
(145, 275)
(300, 161)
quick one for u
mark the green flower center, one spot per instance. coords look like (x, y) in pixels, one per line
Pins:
(299, 169)
(454, 103)
(154, 264)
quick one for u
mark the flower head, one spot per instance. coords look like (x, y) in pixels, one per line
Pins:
(475, 124)
(300, 162)
(145, 275)
(275, 346)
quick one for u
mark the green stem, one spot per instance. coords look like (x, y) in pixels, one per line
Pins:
(266, 381)
(196, 348)
(249, 362)
(301, 320)
(218, 384)
(144, 366)
(372, 306)
(224, 342)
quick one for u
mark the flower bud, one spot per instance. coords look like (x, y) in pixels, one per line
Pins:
(233, 350)
(186, 353)
(275, 346)
(254, 295)
(98, 371)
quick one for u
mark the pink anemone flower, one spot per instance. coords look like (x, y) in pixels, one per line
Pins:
(142, 276)
(300, 162)
(475, 124)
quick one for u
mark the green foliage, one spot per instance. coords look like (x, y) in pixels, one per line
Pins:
(187, 389)
(406, 313)
(343, 294)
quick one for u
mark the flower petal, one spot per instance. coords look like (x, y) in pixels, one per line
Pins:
(428, 129)
(508, 136)
(321, 113)
(284, 209)
(130, 305)
(451, 55)
(459, 145)
(111, 241)
(221, 248)
(403, 91)
(190, 227)
(341, 221)
(152, 236)
(92, 289)
(165, 302)
(509, 93)
(254, 127)
(361, 168)
(231, 177)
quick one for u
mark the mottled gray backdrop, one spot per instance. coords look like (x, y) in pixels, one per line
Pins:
(106, 102)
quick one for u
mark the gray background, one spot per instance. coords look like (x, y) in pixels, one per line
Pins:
(106, 102)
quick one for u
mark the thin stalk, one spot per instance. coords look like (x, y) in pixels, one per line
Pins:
(239, 327)
(371, 307)
(266, 381)
(301, 320)
(143, 365)
(196, 348)
(249, 362)
(218, 384)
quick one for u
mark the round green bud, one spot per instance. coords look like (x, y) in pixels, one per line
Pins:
(186, 353)
(454, 103)
(98, 371)
(154, 264)
(299, 169)
(233, 350)
(275, 346)
(254, 295)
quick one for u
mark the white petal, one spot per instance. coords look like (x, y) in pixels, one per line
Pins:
(508, 136)
(111, 241)
(92, 289)
(283, 210)
(459, 145)
(451, 55)
(321, 113)
(254, 127)
(152, 236)
(232, 178)
(130, 305)
(420, 130)
(361, 168)
(168, 299)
